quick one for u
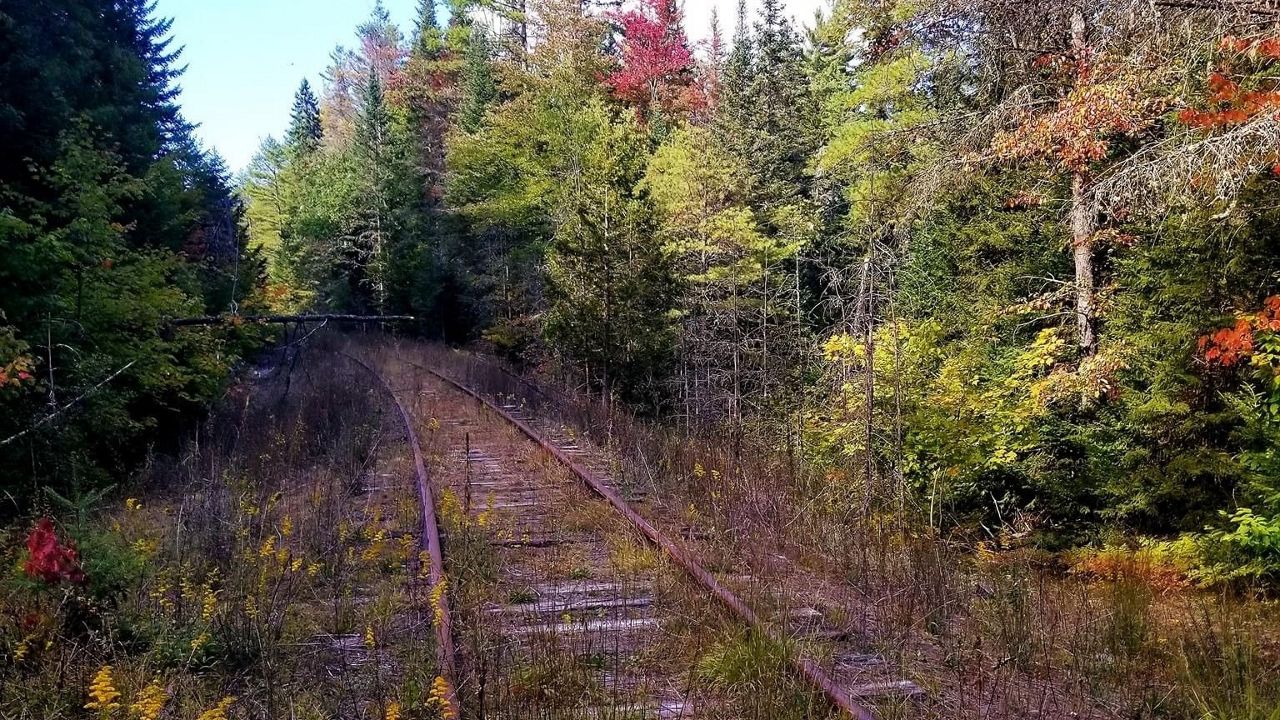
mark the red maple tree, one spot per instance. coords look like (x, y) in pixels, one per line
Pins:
(657, 64)
(48, 559)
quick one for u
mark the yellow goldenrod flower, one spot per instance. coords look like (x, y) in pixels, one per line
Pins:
(437, 600)
(268, 548)
(149, 703)
(286, 526)
(433, 425)
(132, 504)
(439, 698)
(296, 565)
(144, 546)
(103, 695)
(209, 605)
(199, 642)
(313, 569)
(219, 711)
(393, 711)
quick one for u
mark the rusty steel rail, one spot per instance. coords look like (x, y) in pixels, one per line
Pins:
(446, 655)
(805, 667)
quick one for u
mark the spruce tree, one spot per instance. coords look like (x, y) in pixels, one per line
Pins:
(478, 88)
(305, 131)
(428, 41)
(780, 125)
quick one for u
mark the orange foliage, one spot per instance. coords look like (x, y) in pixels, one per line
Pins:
(1105, 102)
(1228, 346)
(1228, 104)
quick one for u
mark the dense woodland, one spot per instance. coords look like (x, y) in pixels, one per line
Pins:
(112, 220)
(1005, 265)
(1007, 269)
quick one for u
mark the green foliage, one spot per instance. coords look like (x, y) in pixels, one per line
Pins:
(113, 221)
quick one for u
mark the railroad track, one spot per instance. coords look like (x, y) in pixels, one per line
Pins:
(568, 588)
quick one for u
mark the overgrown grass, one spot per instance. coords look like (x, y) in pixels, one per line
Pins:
(267, 572)
(990, 629)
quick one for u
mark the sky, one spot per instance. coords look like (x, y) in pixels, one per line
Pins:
(245, 58)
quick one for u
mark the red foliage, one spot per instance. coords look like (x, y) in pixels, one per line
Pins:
(657, 63)
(1227, 347)
(48, 559)
(1265, 48)
(1227, 104)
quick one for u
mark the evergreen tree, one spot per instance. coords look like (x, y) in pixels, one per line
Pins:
(305, 131)
(478, 88)
(428, 40)
(114, 220)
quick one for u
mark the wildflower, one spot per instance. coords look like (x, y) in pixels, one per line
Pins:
(439, 698)
(219, 711)
(286, 526)
(103, 695)
(313, 569)
(209, 605)
(132, 504)
(369, 639)
(296, 565)
(186, 590)
(251, 607)
(23, 648)
(268, 548)
(698, 470)
(424, 564)
(149, 703)
(433, 425)
(198, 643)
(437, 600)
(393, 711)
(146, 547)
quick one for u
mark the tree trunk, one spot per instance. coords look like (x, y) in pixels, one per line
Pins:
(1082, 250)
(1082, 225)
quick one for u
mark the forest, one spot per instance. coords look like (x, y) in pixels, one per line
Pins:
(1004, 265)
(997, 279)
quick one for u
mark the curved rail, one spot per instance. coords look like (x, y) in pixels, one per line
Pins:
(446, 655)
(809, 670)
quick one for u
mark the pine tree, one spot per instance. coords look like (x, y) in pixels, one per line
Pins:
(478, 88)
(372, 145)
(780, 129)
(734, 111)
(428, 40)
(305, 130)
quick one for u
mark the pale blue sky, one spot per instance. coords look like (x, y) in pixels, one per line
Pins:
(245, 58)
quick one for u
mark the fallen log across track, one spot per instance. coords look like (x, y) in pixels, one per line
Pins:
(805, 667)
(284, 319)
(446, 654)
